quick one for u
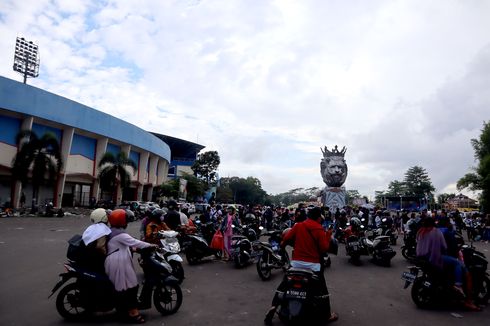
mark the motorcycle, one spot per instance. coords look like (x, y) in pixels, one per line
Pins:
(379, 248)
(409, 248)
(244, 246)
(388, 231)
(272, 256)
(93, 292)
(170, 248)
(300, 302)
(196, 248)
(432, 288)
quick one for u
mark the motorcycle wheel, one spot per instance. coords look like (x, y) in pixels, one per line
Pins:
(239, 261)
(167, 298)
(421, 296)
(177, 270)
(405, 254)
(69, 303)
(482, 294)
(191, 258)
(263, 269)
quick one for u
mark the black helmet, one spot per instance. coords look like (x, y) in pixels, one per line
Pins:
(355, 222)
(149, 210)
(172, 204)
(157, 213)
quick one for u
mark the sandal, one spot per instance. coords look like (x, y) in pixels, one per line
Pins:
(333, 317)
(138, 319)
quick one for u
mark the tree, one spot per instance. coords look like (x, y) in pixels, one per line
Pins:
(195, 186)
(396, 188)
(417, 182)
(242, 191)
(443, 198)
(42, 155)
(113, 171)
(169, 189)
(206, 165)
(350, 195)
(479, 179)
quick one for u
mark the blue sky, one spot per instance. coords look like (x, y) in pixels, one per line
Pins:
(268, 83)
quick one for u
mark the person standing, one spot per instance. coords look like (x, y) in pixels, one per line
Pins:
(226, 228)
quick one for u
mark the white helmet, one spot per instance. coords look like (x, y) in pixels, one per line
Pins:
(98, 215)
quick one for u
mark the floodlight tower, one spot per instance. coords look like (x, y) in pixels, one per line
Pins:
(26, 58)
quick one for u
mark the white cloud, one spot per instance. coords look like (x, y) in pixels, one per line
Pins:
(400, 83)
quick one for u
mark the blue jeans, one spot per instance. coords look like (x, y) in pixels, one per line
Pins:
(457, 266)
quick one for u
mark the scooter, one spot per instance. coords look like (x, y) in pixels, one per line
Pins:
(244, 246)
(170, 248)
(93, 292)
(272, 256)
(196, 248)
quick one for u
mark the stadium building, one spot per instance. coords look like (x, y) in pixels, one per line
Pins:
(84, 135)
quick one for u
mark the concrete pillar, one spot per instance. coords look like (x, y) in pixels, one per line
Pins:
(17, 185)
(143, 175)
(150, 193)
(153, 170)
(99, 152)
(162, 171)
(66, 142)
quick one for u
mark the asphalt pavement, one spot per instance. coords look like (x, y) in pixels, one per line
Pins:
(32, 252)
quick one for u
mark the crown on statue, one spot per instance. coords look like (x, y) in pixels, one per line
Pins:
(334, 152)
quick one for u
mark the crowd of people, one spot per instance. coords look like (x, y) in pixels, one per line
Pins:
(308, 228)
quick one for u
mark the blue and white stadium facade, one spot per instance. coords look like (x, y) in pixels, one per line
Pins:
(84, 134)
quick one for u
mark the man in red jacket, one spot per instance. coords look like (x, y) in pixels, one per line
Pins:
(310, 242)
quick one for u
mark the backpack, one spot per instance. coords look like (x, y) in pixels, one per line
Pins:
(77, 250)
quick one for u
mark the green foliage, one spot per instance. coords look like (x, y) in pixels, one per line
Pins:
(241, 191)
(443, 198)
(479, 179)
(113, 171)
(195, 186)
(350, 195)
(206, 165)
(396, 188)
(294, 196)
(42, 155)
(169, 189)
(417, 182)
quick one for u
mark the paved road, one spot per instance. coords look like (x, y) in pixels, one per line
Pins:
(32, 252)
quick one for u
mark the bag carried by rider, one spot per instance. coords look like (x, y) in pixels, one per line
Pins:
(217, 242)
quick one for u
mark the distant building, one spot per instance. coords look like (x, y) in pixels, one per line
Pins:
(85, 135)
(184, 154)
(461, 201)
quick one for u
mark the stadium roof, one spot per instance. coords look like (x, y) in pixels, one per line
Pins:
(180, 149)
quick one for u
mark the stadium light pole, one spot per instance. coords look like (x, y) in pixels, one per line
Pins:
(26, 58)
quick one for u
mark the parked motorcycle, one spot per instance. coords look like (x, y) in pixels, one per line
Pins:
(301, 303)
(92, 292)
(244, 246)
(432, 288)
(170, 248)
(196, 248)
(389, 231)
(272, 256)
(379, 248)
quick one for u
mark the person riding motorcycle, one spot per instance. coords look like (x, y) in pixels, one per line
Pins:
(354, 228)
(155, 226)
(432, 246)
(172, 218)
(95, 239)
(310, 242)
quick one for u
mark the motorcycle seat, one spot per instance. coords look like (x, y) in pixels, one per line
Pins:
(296, 270)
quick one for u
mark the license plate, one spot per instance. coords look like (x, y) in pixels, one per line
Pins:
(353, 244)
(409, 277)
(295, 294)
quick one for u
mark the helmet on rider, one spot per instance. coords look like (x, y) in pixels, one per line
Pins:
(355, 223)
(231, 208)
(285, 232)
(314, 213)
(130, 215)
(117, 219)
(172, 205)
(157, 214)
(98, 215)
(149, 210)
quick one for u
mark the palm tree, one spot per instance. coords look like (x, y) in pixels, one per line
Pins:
(113, 171)
(40, 155)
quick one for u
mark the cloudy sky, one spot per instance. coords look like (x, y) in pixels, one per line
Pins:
(268, 83)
